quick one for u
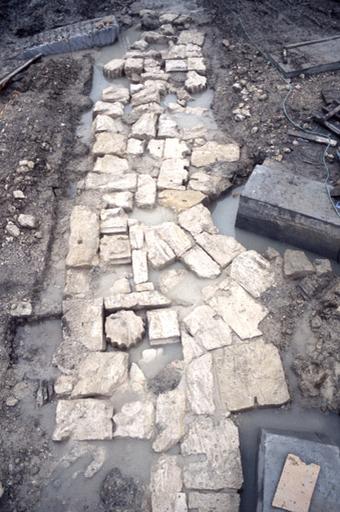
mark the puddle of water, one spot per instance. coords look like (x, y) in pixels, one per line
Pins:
(154, 216)
(294, 420)
(202, 100)
(164, 354)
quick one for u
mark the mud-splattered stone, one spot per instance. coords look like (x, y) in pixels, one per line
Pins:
(296, 264)
(124, 329)
(136, 420)
(173, 174)
(120, 493)
(213, 152)
(170, 412)
(84, 238)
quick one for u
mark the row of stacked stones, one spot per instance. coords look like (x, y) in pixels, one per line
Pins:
(143, 159)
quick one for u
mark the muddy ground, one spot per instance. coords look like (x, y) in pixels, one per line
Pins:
(39, 113)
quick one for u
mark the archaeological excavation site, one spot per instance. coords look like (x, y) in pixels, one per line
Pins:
(170, 256)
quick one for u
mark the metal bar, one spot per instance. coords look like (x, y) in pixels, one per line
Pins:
(313, 41)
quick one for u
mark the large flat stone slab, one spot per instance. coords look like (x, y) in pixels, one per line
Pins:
(83, 323)
(83, 420)
(200, 385)
(115, 249)
(163, 326)
(166, 483)
(180, 200)
(209, 329)
(252, 272)
(84, 238)
(250, 374)
(217, 442)
(136, 301)
(135, 420)
(197, 219)
(200, 263)
(214, 502)
(170, 412)
(175, 237)
(223, 249)
(160, 253)
(287, 207)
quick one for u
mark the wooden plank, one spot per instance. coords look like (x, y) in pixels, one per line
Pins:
(313, 137)
(4, 81)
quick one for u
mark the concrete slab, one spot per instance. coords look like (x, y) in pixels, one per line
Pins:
(273, 451)
(287, 207)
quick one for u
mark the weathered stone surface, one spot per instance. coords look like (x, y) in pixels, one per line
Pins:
(195, 83)
(110, 144)
(83, 420)
(115, 249)
(163, 326)
(121, 286)
(252, 272)
(323, 266)
(119, 200)
(105, 123)
(116, 93)
(139, 266)
(136, 234)
(99, 374)
(135, 147)
(114, 110)
(213, 152)
(111, 164)
(27, 221)
(191, 348)
(183, 51)
(136, 301)
(197, 219)
(113, 221)
(145, 287)
(175, 237)
(64, 384)
(166, 483)
(145, 127)
(208, 329)
(211, 184)
(223, 249)
(147, 95)
(167, 127)
(83, 322)
(200, 263)
(173, 174)
(133, 65)
(250, 374)
(218, 441)
(124, 329)
(84, 238)
(108, 183)
(146, 191)
(197, 64)
(156, 148)
(136, 420)
(214, 502)
(191, 37)
(175, 148)
(160, 253)
(296, 485)
(170, 412)
(77, 282)
(171, 278)
(179, 65)
(200, 385)
(180, 200)
(296, 264)
(238, 309)
(114, 68)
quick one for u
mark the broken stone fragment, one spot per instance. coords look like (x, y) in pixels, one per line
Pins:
(133, 65)
(119, 200)
(84, 238)
(144, 287)
(146, 191)
(163, 326)
(27, 221)
(107, 143)
(195, 83)
(199, 262)
(77, 282)
(167, 127)
(139, 266)
(124, 329)
(111, 164)
(250, 374)
(145, 127)
(22, 309)
(166, 483)
(237, 308)
(175, 148)
(160, 253)
(174, 66)
(113, 221)
(197, 219)
(147, 95)
(223, 249)
(197, 64)
(116, 94)
(173, 174)
(211, 184)
(200, 385)
(136, 301)
(83, 420)
(175, 237)
(99, 374)
(180, 200)
(64, 384)
(135, 420)
(114, 110)
(115, 249)
(12, 229)
(121, 286)
(136, 234)
(135, 147)
(217, 442)
(214, 502)
(114, 68)
(105, 123)
(252, 272)
(108, 183)
(213, 152)
(296, 264)
(170, 413)
(208, 329)
(191, 37)
(191, 348)
(156, 148)
(83, 323)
